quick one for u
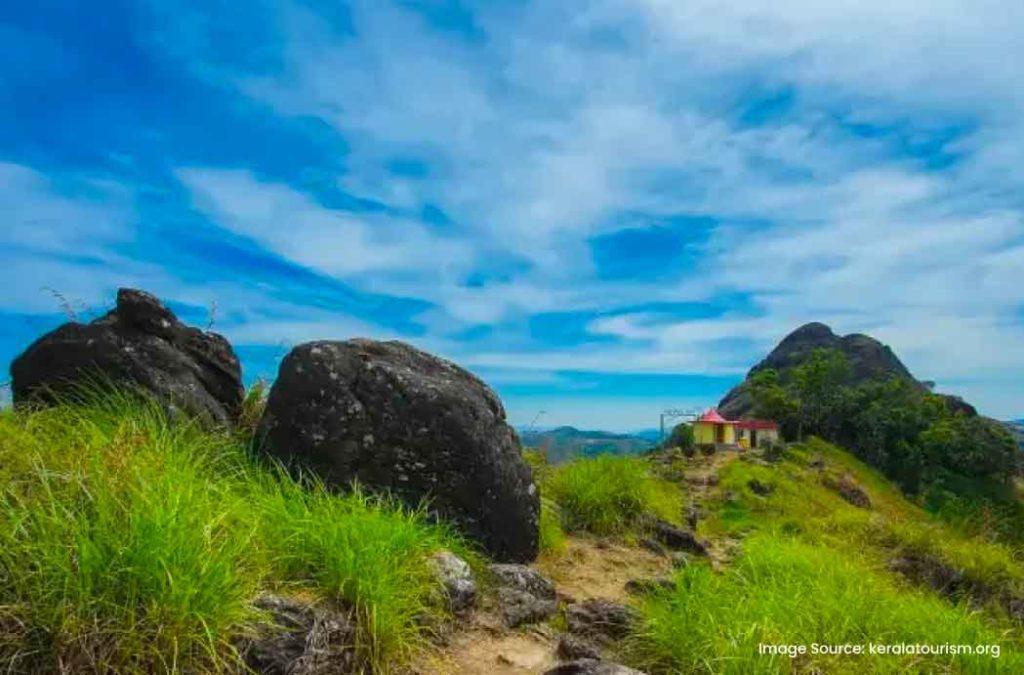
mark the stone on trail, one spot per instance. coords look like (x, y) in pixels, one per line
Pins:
(524, 595)
(600, 619)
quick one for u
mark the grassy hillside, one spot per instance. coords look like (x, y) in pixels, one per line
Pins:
(813, 568)
(130, 544)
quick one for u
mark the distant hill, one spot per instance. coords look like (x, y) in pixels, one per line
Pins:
(564, 443)
(869, 360)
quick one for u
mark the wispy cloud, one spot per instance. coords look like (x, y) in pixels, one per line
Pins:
(858, 163)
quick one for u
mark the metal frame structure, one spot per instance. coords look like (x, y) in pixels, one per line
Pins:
(687, 415)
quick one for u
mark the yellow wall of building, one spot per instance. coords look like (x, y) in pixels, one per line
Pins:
(704, 433)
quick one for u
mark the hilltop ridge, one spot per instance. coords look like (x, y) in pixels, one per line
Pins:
(869, 359)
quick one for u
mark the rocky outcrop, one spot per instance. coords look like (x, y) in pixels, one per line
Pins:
(524, 595)
(299, 639)
(399, 420)
(869, 359)
(141, 344)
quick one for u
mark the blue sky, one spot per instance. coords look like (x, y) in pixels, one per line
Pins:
(602, 207)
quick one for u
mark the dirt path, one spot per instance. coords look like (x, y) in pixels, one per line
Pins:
(590, 568)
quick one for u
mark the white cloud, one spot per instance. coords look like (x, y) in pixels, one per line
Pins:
(545, 131)
(339, 243)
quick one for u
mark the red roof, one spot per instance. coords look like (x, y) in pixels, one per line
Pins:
(712, 417)
(756, 424)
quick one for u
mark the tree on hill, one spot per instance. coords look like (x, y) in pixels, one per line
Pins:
(681, 437)
(914, 436)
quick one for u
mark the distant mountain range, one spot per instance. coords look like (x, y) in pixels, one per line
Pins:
(564, 443)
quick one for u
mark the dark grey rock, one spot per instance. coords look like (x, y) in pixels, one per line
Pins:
(759, 488)
(300, 639)
(675, 538)
(456, 579)
(397, 419)
(600, 619)
(850, 491)
(927, 570)
(572, 647)
(524, 594)
(592, 667)
(140, 344)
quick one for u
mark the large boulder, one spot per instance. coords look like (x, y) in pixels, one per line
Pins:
(141, 344)
(400, 420)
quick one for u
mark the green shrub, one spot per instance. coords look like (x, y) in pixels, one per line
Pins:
(682, 438)
(132, 544)
(609, 494)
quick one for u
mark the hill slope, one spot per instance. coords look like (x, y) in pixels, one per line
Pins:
(136, 544)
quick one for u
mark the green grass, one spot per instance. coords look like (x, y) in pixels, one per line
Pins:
(608, 494)
(814, 569)
(552, 536)
(784, 591)
(132, 544)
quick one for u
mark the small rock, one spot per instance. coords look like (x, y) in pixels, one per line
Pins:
(648, 586)
(853, 493)
(300, 639)
(601, 619)
(592, 667)
(927, 570)
(456, 578)
(572, 647)
(653, 546)
(675, 538)
(525, 596)
(759, 488)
